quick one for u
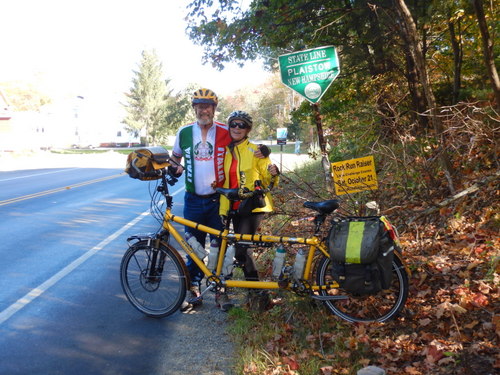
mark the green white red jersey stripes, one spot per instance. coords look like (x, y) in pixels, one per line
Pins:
(203, 161)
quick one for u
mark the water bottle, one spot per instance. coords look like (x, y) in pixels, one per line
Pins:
(227, 269)
(199, 250)
(279, 261)
(213, 254)
(300, 261)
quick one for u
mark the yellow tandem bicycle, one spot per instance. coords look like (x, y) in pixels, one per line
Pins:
(155, 279)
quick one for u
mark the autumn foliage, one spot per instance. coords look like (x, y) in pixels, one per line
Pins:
(451, 321)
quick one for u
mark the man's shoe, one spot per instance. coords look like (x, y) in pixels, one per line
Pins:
(193, 299)
(223, 302)
(186, 306)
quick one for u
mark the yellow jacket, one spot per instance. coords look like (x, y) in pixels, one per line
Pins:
(254, 168)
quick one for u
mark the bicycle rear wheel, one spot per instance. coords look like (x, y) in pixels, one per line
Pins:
(154, 280)
(380, 307)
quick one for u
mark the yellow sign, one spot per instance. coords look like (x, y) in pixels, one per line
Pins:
(355, 175)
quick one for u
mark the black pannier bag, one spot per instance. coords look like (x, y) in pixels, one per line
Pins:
(143, 162)
(362, 251)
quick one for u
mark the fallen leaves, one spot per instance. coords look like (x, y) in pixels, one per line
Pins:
(432, 354)
(451, 321)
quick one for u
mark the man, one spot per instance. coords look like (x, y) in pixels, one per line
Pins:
(202, 144)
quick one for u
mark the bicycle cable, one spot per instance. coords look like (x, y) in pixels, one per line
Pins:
(157, 202)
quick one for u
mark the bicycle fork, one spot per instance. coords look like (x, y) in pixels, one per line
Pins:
(156, 259)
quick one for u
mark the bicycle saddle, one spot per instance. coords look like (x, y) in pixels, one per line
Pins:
(231, 194)
(323, 207)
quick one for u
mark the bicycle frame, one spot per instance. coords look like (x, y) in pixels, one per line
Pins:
(315, 244)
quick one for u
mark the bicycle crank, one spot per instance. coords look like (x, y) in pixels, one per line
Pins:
(302, 287)
(214, 284)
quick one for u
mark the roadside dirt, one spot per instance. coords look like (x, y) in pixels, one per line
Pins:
(203, 346)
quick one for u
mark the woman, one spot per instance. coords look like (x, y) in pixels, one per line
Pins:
(240, 158)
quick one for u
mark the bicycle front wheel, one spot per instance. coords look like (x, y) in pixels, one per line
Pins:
(379, 307)
(154, 280)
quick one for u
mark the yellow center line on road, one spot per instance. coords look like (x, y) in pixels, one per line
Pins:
(57, 190)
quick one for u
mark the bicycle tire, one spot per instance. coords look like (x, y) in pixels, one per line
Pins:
(154, 280)
(381, 307)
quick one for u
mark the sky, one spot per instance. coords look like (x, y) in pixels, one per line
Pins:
(90, 48)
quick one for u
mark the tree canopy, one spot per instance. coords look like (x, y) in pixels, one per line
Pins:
(400, 63)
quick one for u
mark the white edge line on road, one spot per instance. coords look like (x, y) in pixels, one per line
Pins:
(37, 174)
(42, 288)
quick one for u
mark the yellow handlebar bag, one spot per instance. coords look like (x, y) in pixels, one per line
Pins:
(143, 163)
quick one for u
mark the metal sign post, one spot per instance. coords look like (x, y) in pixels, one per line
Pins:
(281, 135)
(310, 73)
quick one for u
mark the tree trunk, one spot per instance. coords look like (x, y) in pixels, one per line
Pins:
(415, 89)
(488, 50)
(409, 31)
(456, 45)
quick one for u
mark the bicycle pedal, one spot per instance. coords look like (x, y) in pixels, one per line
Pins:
(196, 300)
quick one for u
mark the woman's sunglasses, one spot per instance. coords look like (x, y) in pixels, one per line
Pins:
(240, 125)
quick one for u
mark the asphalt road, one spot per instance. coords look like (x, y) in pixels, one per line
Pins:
(62, 311)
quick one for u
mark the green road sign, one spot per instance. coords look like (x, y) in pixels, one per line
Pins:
(310, 72)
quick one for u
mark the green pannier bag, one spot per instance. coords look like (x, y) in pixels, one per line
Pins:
(362, 252)
(142, 163)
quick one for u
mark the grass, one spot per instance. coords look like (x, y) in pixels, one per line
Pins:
(70, 151)
(74, 151)
(297, 336)
(287, 149)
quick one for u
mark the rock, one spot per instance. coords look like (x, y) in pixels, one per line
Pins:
(371, 370)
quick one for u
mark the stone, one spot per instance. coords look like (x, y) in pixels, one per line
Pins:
(371, 370)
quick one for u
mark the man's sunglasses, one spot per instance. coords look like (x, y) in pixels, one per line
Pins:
(240, 125)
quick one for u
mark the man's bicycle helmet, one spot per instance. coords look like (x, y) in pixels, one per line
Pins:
(204, 96)
(242, 116)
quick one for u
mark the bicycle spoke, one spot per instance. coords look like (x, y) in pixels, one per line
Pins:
(381, 307)
(153, 280)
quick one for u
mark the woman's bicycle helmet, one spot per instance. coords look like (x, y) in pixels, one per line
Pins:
(242, 116)
(204, 96)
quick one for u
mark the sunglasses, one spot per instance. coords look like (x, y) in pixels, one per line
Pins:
(240, 125)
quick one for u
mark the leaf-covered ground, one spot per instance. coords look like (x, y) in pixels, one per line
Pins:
(451, 321)
(452, 317)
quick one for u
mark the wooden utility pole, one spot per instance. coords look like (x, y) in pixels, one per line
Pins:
(325, 162)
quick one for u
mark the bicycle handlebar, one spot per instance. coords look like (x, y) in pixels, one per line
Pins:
(242, 192)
